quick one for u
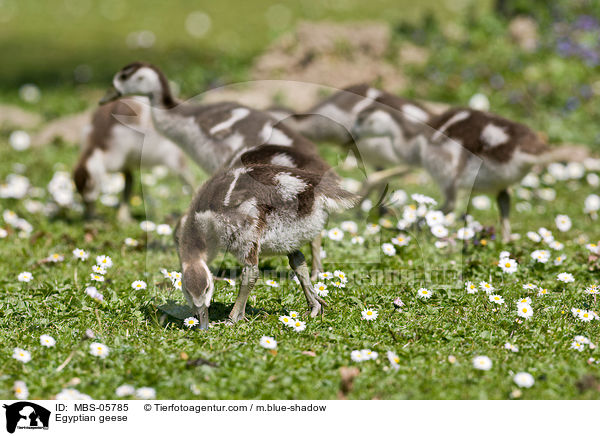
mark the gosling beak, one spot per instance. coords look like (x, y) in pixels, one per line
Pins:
(111, 94)
(202, 314)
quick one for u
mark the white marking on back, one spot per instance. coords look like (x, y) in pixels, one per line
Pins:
(494, 135)
(289, 186)
(236, 175)
(237, 114)
(459, 116)
(283, 160)
(372, 94)
(414, 113)
(274, 136)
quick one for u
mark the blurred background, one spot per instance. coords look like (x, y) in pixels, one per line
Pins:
(533, 61)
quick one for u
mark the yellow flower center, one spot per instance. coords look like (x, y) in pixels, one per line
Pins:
(507, 264)
(369, 312)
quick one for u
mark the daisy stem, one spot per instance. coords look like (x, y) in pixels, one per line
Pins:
(66, 362)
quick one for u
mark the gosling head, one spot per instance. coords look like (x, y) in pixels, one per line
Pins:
(140, 78)
(198, 287)
(374, 123)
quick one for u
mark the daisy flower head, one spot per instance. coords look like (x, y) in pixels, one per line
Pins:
(349, 226)
(177, 284)
(340, 275)
(534, 236)
(557, 246)
(164, 230)
(542, 292)
(546, 234)
(272, 283)
(55, 258)
(99, 350)
(496, 299)
(147, 226)
(357, 240)
(524, 300)
(299, 325)
(47, 341)
(325, 275)
(471, 288)
(338, 283)
(138, 284)
(424, 293)
(439, 231)
(529, 286)
(357, 356)
(268, 342)
(293, 314)
(401, 240)
(508, 265)
(80, 254)
(104, 261)
(504, 255)
(398, 302)
(124, 391)
(483, 363)
(511, 347)
(393, 359)
(388, 249)
(524, 379)
(576, 312)
(524, 311)
(21, 355)
(594, 248)
(586, 315)
(487, 287)
(96, 277)
(541, 256)
(190, 322)
(372, 229)
(563, 223)
(93, 292)
(369, 354)
(423, 199)
(434, 218)
(386, 223)
(145, 393)
(565, 277)
(465, 233)
(25, 277)
(335, 234)
(369, 314)
(558, 260)
(592, 289)
(20, 389)
(321, 289)
(579, 346)
(286, 320)
(231, 282)
(130, 242)
(98, 269)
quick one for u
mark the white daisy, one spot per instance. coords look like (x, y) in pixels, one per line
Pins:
(55, 257)
(99, 350)
(80, 254)
(483, 363)
(124, 391)
(96, 277)
(487, 287)
(298, 325)
(511, 347)
(529, 286)
(388, 249)
(393, 359)
(563, 223)
(541, 256)
(439, 231)
(542, 292)
(424, 293)
(423, 199)
(21, 355)
(349, 226)
(357, 240)
(369, 354)
(190, 322)
(534, 236)
(287, 320)
(524, 379)
(25, 277)
(566, 277)
(508, 265)
(335, 234)
(138, 284)
(99, 269)
(471, 288)
(272, 283)
(369, 314)
(465, 233)
(321, 289)
(104, 261)
(401, 240)
(145, 393)
(357, 356)
(147, 226)
(21, 391)
(268, 342)
(496, 299)
(164, 230)
(130, 242)
(47, 341)
(524, 311)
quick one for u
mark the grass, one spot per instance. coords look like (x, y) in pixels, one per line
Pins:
(148, 350)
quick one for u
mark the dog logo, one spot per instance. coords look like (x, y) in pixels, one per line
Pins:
(26, 415)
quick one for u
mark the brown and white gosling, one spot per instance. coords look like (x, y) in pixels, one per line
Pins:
(470, 149)
(332, 120)
(252, 210)
(121, 138)
(216, 133)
